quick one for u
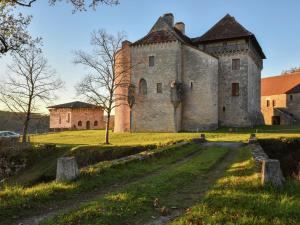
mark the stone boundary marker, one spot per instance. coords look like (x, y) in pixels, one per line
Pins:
(67, 169)
(270, 168)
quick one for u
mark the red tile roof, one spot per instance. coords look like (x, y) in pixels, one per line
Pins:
(283, 84)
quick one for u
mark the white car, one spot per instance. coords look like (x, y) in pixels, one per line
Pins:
(9, 134)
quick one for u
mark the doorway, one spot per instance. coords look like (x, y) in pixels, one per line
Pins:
(88, 125)
(275, 120)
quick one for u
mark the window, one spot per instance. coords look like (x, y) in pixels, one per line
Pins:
(224, 108)
(268, 103)
(79, 123)
(95, 123)
(236, 64)
(274, 103)
(235, 89)
(143, 87)
(151, 61)
(159, 87)
(192, 85)
(291, 97)
(69, 117)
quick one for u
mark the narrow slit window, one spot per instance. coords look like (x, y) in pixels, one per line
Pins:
(192, 85)
(274, 103)
(224, 109)
(159, 87)
(151, 61)
(235, 89)
(268, 103)
(291, 97)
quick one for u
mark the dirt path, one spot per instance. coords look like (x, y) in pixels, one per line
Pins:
(192, 193)
(72, 204)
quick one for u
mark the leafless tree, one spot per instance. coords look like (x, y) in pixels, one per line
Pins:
(105, 75)
(78, 4)
(31, 81)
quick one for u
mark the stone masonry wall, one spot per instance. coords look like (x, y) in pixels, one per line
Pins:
(233, 110)
(293, 105)
(200, 79)
(154, 112)
(59, 118)
(268, 111)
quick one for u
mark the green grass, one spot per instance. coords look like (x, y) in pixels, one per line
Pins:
(239, 198)
(134, 204)
(96, 137)
(18, 200)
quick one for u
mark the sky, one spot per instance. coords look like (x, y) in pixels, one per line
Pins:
(274, 22)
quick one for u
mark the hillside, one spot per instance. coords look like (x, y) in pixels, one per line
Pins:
(14, 122)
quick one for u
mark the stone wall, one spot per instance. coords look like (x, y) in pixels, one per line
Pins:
(293, 104)
(233, 110)
(59, 118)
(268, 111)
(200, 79)
(155, 112)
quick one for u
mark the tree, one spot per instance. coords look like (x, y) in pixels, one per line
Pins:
(105, 73)
(13, 27)
(30, 82)
(78, 4)
(13, 30)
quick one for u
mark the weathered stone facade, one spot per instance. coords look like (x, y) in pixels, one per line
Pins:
(203, 71)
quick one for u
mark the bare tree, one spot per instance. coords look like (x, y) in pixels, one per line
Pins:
(106, 74)
(13, 30)
(80, 5)
(31, 81)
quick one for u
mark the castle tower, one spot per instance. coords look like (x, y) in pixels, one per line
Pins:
(123, 79)
(240, 64)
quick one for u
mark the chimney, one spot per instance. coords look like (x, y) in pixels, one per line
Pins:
(180, 26)
(169, 18)
(126, 43)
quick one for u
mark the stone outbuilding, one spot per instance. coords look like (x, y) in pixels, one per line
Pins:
(178, 83)
(280, 99)
(76, 116)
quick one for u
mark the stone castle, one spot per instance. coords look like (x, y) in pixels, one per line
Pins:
(179, 83)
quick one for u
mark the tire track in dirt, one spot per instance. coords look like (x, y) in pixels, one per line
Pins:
(80, 199)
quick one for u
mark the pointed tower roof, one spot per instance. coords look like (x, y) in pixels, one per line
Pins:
(228, 28)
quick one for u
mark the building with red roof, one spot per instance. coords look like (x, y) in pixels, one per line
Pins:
(280, 99)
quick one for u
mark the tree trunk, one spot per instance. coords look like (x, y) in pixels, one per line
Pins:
(25, 128)
(107, 129)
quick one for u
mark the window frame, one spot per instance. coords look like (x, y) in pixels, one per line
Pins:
(159, 88)
(234, 65)
(143, 87)
(151, 61)
(235, 89)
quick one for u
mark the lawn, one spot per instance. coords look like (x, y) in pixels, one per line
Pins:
(134, 204)
(96, 137)
(20, 201)
(239, 198)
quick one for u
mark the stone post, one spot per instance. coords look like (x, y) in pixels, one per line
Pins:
(271, 173)
(252, 139)
(67, 169)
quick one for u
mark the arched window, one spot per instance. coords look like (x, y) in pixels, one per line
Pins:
(79, 123)
(95, 123)
(143, 87)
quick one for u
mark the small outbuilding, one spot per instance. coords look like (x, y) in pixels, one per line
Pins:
(76, 116)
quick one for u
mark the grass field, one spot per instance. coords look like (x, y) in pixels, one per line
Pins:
(96, 137)
(239, 198)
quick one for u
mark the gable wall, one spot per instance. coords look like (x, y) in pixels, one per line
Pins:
(200, 103)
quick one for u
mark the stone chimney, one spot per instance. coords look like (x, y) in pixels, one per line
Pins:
(126, 43)
(169, 18)
(180, 26)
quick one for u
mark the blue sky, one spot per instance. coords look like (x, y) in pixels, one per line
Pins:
(274, 22)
